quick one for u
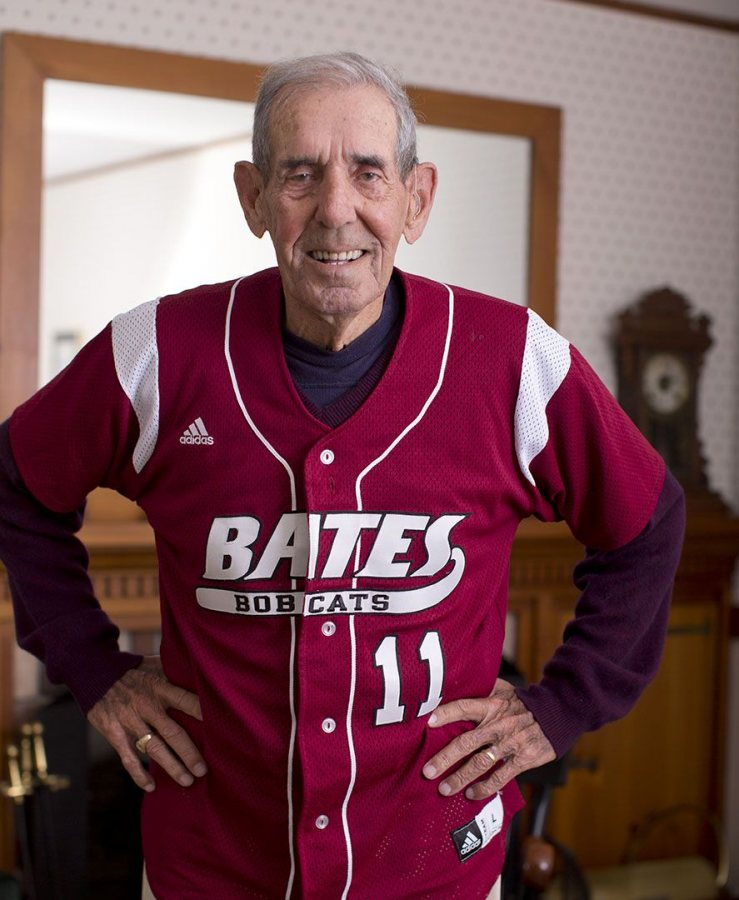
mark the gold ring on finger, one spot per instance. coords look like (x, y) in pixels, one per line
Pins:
(490, 755)
(142, 742)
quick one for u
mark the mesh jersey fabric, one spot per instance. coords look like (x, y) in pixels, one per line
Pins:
(394, 529)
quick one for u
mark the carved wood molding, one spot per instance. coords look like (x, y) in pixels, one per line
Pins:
(133, 584)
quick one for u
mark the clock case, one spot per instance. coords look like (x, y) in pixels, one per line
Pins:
(661, 323)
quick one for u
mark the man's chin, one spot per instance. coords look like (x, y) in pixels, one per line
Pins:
(344, 293)
(345, 301)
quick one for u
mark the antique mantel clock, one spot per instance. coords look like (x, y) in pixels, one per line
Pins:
(660, 347)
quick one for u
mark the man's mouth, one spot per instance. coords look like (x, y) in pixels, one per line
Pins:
(330, 256)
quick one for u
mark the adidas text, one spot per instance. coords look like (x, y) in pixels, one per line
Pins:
(196, 439)
(196, 433)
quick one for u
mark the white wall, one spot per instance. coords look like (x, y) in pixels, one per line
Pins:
(119, 238)
(651, 139)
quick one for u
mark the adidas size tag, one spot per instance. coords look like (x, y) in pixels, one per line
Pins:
(477, 833)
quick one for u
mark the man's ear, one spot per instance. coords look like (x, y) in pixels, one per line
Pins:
(422, 184)
(250, 188)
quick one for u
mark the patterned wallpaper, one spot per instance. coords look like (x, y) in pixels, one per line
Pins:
(651, 134)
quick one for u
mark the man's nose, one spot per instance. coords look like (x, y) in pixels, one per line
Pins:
(336, 200)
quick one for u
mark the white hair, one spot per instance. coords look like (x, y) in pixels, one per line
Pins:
(343, 70)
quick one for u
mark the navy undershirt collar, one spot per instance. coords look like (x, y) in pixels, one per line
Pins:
(323, 377)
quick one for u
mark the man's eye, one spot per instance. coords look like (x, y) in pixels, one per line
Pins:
(369, 176)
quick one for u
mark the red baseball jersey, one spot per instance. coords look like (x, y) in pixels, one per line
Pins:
(324, 590)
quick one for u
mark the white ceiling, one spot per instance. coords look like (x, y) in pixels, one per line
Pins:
(90, 126)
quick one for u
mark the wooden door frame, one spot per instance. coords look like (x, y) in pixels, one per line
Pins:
(27, 60)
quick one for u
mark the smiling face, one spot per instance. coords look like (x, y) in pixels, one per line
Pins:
(335, 207)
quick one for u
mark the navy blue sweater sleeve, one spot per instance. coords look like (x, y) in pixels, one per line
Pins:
(57, 616)
(612, 648)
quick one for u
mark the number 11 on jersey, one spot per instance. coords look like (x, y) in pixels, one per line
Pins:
(386, 659)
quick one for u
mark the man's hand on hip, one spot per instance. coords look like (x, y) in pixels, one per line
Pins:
(506, 741)
(135, 706)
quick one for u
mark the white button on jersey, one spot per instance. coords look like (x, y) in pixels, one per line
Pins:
(328, 725)
(328, 628)
(327, 457)
(322, 822)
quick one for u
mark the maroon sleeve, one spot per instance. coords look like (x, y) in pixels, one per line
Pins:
(612, 648)
(78, 432)
(596, 470)
(57, 617)
(72, 436)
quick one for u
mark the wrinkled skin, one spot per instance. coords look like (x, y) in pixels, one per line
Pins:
(136, 705)
(503, 725)
(138, 702)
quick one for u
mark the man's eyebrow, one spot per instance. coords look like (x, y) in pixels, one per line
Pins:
(371, 160)
(291, 163)
(296, 162)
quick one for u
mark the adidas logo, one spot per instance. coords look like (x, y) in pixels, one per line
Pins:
(470, 843)
(196, 433)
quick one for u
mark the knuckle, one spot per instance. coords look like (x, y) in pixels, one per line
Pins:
(486, 788)
(155, 746)
(170, 731)
(132, 766)
(183, 698)
(468, 742)
(479, 763)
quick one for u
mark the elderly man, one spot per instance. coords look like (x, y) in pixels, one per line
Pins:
(334, 457)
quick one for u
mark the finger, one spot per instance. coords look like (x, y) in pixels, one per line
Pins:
(177, 740)
(133, 765)
(469, 709)
(494, 783)
(462, 746)
(120, 740)
(158, 750)
(178, 698)
(477, 766)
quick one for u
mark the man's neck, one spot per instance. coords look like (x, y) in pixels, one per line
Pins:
(332, 332)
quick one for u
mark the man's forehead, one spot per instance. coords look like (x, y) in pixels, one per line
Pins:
(361, 116)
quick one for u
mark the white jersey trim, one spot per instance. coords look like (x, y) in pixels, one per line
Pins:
(294, 503)
(136, 358)
(429, 400)
(291, 760)
(352, 763)
(240, 399)
(546, 362)
(358, 493)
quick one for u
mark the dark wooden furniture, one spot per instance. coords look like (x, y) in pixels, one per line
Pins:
(671, 748)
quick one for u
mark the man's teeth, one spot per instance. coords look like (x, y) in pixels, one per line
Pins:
(344, 256)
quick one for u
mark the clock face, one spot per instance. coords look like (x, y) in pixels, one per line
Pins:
(665, 383)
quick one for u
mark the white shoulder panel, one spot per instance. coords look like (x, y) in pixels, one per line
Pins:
(136, 357)
(546, 362)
